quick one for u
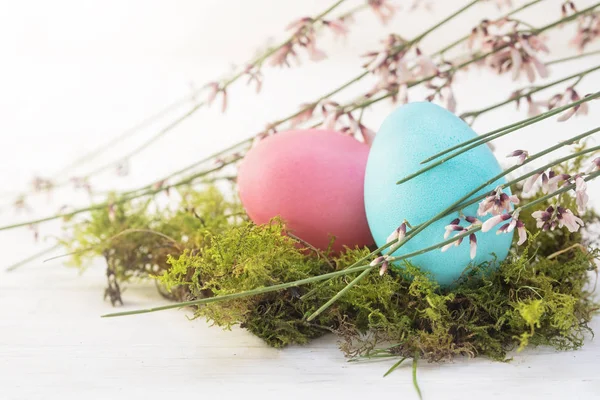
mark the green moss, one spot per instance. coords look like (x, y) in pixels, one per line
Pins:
(136, 239)
(527, 301)
(206, 247)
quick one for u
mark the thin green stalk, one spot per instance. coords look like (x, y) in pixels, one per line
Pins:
(121, 200)
(445, 20)
(575, 57)
(533, 90)
(414, 375)
(339, 294)
(466, 37)
(487, 138)
(518, 125)
(256, 61)
(124, 135)
(32, 257)
(394, 367)
(253, 292)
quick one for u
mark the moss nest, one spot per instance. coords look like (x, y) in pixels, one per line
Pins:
(540, 295)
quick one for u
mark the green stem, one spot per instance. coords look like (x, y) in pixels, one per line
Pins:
(226, 83)
(445, 20)
(575, 57)
(339, 294)
(253, 292)
(414, 375)
(121, 200)
(466, 37)
(32, 257)
(489, 137)
(532, 90)
(518, 125)
(394, 367)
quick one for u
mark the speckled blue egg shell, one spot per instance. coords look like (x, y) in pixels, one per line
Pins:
(410, 134)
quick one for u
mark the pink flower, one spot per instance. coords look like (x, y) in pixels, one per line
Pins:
(490, 223)
(337, 27)
(456, 243)
(581, 109)
(553, 181)
(535, 107)
(473, 245)
(383, 9)
(522, 154)
(454, 226)
(424, 67)
(528, 184)
(559, 216)
(544, 219)
(496, 202)
(280, 57)
(594, 165)
(398, 234)
(305, 114)
(522, 232)
(384, 261)
(568, 219)
(580, 194)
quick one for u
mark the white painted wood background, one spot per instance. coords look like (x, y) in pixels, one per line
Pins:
(75, 73)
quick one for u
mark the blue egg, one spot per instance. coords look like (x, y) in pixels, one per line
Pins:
(410, 134)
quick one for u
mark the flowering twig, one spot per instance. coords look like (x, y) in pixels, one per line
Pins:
(496, 133)
(145, 191)
(527, 93)
(221, 87)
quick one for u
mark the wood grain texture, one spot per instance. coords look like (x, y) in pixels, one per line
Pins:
(53, 344)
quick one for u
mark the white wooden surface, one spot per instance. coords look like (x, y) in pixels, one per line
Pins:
(53, 344)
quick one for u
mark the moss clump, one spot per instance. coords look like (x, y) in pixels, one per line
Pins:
(528, 300)
(136, 239)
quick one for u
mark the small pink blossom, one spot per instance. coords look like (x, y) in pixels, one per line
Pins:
(453, 227)
(305, 114)
(338, 27)
(554, 181)
(581, 194)
(530, 182)
(569, 220)
(398, 234)
(581, 109)
(552, 217)
(521, 154)
(383, 9)
(383, 261)
(535, 107)
(490, 223)
(496, 202)
(594, 165)
(473, 245)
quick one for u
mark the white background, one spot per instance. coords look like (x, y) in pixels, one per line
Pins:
(76, 73)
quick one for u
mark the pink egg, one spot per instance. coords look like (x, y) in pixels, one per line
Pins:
(313, 179)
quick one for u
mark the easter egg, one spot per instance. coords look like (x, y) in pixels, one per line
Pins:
(313, 180)
(409, 135)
